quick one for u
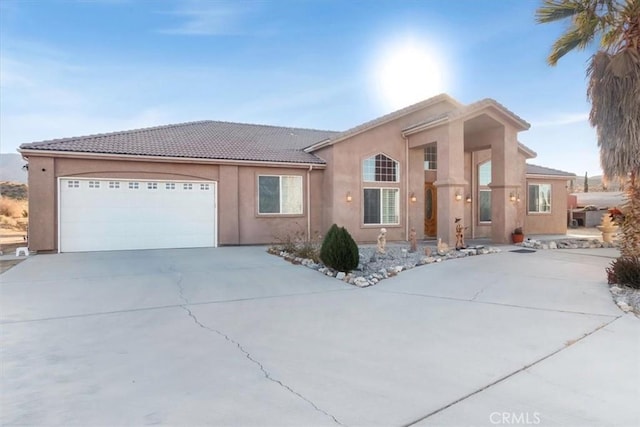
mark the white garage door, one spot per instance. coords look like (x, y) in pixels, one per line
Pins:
(101, 215)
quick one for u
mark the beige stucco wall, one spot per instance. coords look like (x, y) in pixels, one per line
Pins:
(344, 175)
(238, 218)
(548, 223)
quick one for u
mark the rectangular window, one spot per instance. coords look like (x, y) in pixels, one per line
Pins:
(94, 184)
(540, 198)
(204, 187)
(484, 209)
(280, 194)
(170, 186)
(188, 186)
(73, 184)
(381, 206)
(152, 185)
(133, 186)
(114, 184)
(431, 158)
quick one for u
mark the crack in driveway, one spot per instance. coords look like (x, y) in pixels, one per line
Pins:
(506, 377)
(248, 355)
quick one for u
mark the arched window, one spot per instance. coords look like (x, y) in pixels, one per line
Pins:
(380, 168)
(484, 192)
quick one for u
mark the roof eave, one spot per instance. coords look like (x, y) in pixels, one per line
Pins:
(547, 176)
(167, 159)
(411, 130)
(394, 115)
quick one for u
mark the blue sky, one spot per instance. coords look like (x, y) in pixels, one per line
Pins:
(71, 68)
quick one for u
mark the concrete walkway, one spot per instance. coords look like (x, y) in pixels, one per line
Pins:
(233, 336)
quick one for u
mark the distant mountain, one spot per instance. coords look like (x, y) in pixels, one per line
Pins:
(11, 168)
(596, 184)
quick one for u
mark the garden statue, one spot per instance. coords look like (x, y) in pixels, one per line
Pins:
(412, 241)
(382, 241)
(460, 234)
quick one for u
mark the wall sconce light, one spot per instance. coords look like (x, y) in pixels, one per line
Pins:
(468, 199)
(514, 197)
(413, 198)
(349, 198)
(458, 197)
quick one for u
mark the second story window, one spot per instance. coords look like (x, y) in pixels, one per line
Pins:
(380, 168)
(431, 157)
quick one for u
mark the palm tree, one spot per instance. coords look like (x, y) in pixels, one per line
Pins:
(613, 89)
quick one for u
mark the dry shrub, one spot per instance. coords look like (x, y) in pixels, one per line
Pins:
(12, 208)
(625, 271)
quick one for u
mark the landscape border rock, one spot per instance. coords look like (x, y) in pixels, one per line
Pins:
(374, 267)
(566, 244)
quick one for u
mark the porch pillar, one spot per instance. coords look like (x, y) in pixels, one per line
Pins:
(504, 185)
(450, 181)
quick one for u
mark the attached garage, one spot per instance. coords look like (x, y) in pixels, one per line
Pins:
(97, 214)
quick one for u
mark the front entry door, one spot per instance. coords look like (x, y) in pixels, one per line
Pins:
(430, 210)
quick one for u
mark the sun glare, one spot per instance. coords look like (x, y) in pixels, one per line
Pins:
(408, 72)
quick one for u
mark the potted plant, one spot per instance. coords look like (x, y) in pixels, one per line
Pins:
(517, 236)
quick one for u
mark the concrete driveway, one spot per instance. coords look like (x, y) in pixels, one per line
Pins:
(233, 336)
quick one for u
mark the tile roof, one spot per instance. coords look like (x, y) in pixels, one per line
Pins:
(541, 170)
(202, 140)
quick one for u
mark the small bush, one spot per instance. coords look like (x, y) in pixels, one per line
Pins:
(625, 271)
(294, 241)
(339, 251)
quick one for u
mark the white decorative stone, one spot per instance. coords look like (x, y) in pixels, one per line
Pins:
(553, 245)
(398, 268)
(340, 275)
(624, 306)
(361, 282)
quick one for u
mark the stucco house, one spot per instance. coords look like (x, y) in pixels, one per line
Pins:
(212, 183)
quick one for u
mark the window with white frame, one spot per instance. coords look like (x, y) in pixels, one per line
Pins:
(380, 168)
(381, 206)
(539, 198)
(431, 157)
(280, 194)
(484, 192)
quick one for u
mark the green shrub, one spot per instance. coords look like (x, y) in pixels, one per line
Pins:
(339, 251)
(625, 271)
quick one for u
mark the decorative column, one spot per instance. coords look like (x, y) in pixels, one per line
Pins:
(505, 184)
(450, 182)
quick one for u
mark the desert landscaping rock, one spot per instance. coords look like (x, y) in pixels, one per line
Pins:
(566, 244)
(375, 267)
(626, 298)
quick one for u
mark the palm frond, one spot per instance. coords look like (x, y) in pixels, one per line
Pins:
(567, 42)
(556, 10)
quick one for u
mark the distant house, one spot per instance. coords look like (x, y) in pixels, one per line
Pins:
(212, 183)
